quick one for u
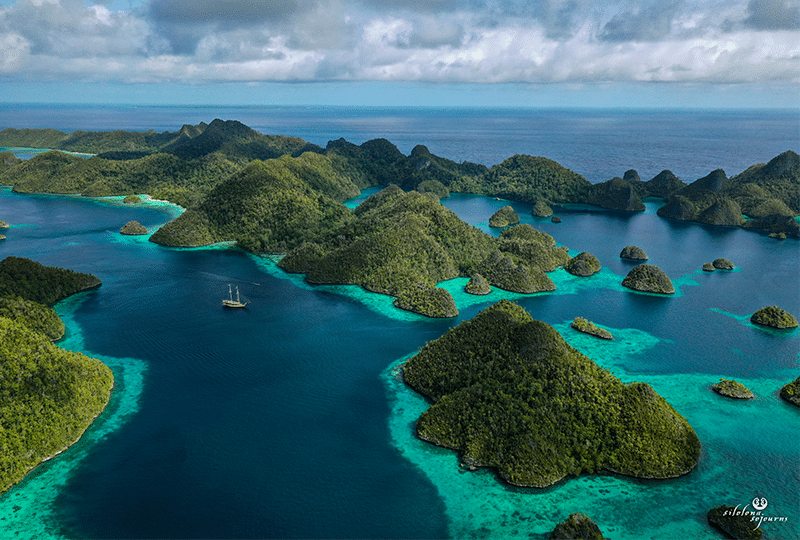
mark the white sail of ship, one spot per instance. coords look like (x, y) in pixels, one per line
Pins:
(230, 302)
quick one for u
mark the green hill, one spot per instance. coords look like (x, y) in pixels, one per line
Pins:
(769, 193)
(403, 244)
(47, 285)
(531, 179)
(180, 167)
(508, 392)
(48, 397)
(37, 317)
(267, 207)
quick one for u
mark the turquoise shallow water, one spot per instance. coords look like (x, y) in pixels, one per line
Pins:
(731, 470)
(28, 510)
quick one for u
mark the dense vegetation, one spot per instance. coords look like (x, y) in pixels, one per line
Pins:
(791, 392)
(37, 317)
(732, 389)
(133, 228)
(723, 264)
(428, 301)
(48, 396)
(769, 193)
(584, 264)
(633, 253)
(588, 327)
(180, 167)
(401, 244)
(508, 392)
(43, 284)
(267, 207)
(477, 285)
(648, 278)
(577, 527)
(774, 317)
(184, 166)
(503, 218)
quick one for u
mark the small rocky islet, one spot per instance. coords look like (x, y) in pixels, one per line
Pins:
(791, 392)
(733, 522)
(774, 317)
(588, 327)
(732, 389)
(578, 526)
(584, 264)
(633, 253)
(541, 209)
(503, 218)
(718, 264)
(648, 278)
(133, 228)
(477, 285)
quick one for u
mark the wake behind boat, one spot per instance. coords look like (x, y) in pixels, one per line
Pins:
(230, 302)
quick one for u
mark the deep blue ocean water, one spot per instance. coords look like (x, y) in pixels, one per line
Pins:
(285, 420)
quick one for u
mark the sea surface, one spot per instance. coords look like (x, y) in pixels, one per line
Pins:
(287, 420)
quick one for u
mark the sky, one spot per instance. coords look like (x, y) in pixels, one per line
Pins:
(564, 53)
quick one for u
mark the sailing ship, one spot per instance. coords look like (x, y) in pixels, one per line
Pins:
(230, 302)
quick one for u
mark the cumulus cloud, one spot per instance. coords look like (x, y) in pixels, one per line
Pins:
(484, 41)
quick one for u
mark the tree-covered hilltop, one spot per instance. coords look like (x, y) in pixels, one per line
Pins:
(508, 392)
(662, 185)
(43, 284)
(8, 160)
(397, 240)
(531, 179)
(768, 193)
(37, 317)
(48, 397)
(267, 207)
(179, 167)
(28, 289)
(188, 142)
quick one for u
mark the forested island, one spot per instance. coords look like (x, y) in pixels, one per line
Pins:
(508, 392)
(185, 166)
(48, 396)
(282, 195)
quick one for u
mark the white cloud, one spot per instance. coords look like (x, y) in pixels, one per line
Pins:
(14, 52)
(540, 41)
